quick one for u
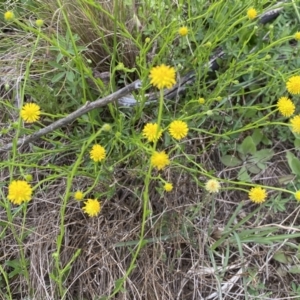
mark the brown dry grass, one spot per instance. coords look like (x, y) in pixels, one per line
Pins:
(176, 263)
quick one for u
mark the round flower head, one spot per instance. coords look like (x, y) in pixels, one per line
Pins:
(293, 85)
(251, 13)
(257, 195)
(162, 77)
(39, 23)
(19, 191)
(78, 195)
(286, 106)
(97, 153)
(30, 112)
(297, 195)
(9, 15)
(297, 36)
(295, 122)
(151, 132)
(168, 187)
(178, 129)
(212, 186)
(183, 31)
(201, 100)
(106, 127)
(159, 160)
(92, 207)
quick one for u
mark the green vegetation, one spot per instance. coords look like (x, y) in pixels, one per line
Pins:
(149, 150)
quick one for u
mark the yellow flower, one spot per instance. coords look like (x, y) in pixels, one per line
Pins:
(162, 76)
(183, 31)
(212, 186)
(251, 13)
(97, 153)
(297, 195)
(297, 36)
(30, 112)
(19, 191)
(178, 129)
(257, 195)
(78, 195)
(295, 122)
(151, 132)
(286, 106)
(9, 15)
(147, 40)
(39, 23)
(160, 160)
(92, 207)
(201, 100)
(168, 187)
(293, 85)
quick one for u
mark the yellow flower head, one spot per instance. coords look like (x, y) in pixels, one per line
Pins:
(147, 40)
(39, 23)
(183, 31)
(168, 187)
(159, 160)
(30, 112)
(97, 153)
(251, 13)
(293, 85)
(212, 186)
(286, 106)
(257, 195)
(19, 191)
(9, 15)
(92, 207)
(297, 36)
(162, 76)
(78, 195)
(297, 195)
(178, 129)
(151, 132)
(201, 100)
(295, 122)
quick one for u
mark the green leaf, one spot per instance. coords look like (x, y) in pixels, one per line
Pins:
(263, 155)
(257, 136)
(293, 162)
(58, 77)
(253, 169)
(243, 175)
(230, 161)
(297, 143)
(285, 179)
(295, 269)
(248, 146)
(281, 257)
(70, 76)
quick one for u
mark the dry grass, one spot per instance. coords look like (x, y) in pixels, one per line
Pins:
(176, 263)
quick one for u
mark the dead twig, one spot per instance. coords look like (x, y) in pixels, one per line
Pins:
(74, 115)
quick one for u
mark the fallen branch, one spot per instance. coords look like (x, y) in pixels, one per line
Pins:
(74, 115)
